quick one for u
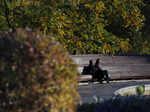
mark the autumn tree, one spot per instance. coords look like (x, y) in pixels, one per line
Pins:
(82, 26)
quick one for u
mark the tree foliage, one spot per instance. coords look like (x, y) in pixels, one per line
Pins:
(36, 74)
(82, 26)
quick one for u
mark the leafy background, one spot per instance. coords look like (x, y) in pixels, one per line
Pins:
(84, 26)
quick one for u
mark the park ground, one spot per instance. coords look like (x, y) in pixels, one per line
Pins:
(88, 91)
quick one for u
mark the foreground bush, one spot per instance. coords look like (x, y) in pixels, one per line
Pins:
(36, 74)
(119, 104)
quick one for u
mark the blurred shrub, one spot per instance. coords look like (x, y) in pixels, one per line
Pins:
(36, 74)
(140, 90)
(118, 104)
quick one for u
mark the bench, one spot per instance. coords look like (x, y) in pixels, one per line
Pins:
(119, 67)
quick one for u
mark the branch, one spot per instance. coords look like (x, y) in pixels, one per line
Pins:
(7, 15)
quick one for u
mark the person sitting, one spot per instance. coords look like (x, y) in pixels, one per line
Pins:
(88, 69)
(100, 74)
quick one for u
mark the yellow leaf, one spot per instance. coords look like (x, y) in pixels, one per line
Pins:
(61, 31)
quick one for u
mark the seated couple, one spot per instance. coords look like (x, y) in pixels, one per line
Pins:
(96, 72)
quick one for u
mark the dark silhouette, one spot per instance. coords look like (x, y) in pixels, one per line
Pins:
(88, 69)
(100, 74)
(96, 72)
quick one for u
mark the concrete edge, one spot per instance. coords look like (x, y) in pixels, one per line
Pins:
(130, 89)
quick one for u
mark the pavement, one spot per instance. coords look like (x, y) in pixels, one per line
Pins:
(89, 90)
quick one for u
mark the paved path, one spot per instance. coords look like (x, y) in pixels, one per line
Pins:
(87, 91)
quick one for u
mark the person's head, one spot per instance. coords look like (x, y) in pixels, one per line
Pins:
(90, 62)
(97, 61)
